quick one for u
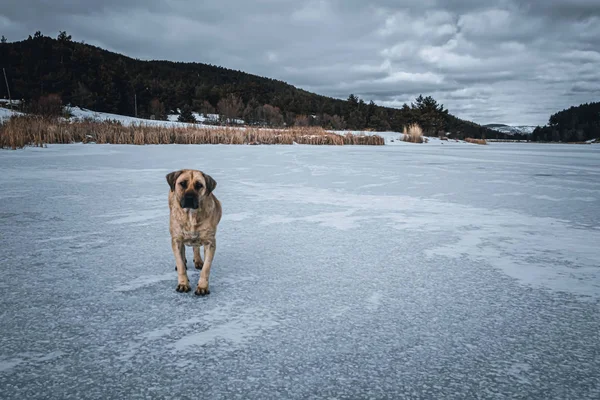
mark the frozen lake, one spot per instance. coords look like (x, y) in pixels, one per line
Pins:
(417, 271)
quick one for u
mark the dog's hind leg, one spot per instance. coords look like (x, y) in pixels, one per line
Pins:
(209, 252)
(197, 258)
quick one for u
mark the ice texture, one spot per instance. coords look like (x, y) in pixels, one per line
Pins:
(348, 272)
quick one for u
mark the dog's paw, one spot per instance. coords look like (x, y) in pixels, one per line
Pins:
(198, 264)
(202, 291)
(183, 287)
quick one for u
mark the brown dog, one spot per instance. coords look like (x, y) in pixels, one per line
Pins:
(195, 214)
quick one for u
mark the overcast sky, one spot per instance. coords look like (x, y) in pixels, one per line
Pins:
(503, 61)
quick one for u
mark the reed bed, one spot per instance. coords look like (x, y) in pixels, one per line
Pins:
(475, 141)
(28, 130)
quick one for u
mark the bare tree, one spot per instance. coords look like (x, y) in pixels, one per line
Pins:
(48, 106)
(272, 115)
(157, 109)
(338, 122)
(230, 108)
(302, 120)
(207, 108)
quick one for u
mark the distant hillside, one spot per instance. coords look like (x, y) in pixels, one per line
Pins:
(93, 78)
(576, 124)
(511, 130)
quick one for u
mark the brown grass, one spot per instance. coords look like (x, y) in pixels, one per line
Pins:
(414, 134)
(21, 131)
(475, 141)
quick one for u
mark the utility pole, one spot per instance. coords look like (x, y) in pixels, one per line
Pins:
(7, 88)
(135, 101)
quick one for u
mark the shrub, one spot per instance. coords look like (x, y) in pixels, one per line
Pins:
(48, 106)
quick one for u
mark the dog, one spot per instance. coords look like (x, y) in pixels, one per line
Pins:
(195, 213)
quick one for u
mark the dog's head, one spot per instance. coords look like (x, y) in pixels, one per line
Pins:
(190, 186)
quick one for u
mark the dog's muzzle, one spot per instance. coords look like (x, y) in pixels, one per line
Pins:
(189, 201)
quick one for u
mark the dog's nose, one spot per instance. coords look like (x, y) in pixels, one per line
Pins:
(190, 201)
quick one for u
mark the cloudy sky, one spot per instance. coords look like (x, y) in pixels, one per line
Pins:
(504, 61)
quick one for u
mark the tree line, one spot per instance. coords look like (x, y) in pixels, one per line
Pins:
(575, 124)
(90, 77)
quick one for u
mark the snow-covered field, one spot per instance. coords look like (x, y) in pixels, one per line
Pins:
(341, 272)
(82, 113)
(6, 113)
(78, 113)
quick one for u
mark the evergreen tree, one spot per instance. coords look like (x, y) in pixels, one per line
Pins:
(63, 37)
(3, 40)
(371, 113)
(429, 114)
(186, 115)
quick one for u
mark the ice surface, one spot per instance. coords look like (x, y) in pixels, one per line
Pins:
(341, 272)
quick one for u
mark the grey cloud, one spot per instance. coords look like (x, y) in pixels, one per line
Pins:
(586, 87)
(490, 61)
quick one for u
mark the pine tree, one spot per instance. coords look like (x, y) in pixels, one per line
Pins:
(186, 115)
(371, 113)
(429, 114)
(3, 40)
(63, 37)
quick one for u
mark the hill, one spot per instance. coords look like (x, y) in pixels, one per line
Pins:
(575, 124)
(94, 78)
(511, 130)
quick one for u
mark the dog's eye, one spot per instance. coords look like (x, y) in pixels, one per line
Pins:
(198, 186)
(183, 184)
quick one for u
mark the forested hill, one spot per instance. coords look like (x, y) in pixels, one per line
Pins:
(575, 124)
(90, 77)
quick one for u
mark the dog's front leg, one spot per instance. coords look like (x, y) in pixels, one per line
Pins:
(183, 283)
(197, 258)
(209, 252)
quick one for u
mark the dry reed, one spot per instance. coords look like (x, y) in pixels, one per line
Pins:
(414, 134)
(20, 131)
(475, 141)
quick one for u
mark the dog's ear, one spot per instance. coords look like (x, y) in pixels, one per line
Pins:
(211, 184)
(172, 178)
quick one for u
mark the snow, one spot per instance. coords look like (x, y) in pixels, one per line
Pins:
(199, 117)
(82, 113)
(5, 113)
(413, 271)
(7, 101)
(395, 139)
(512, 129)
